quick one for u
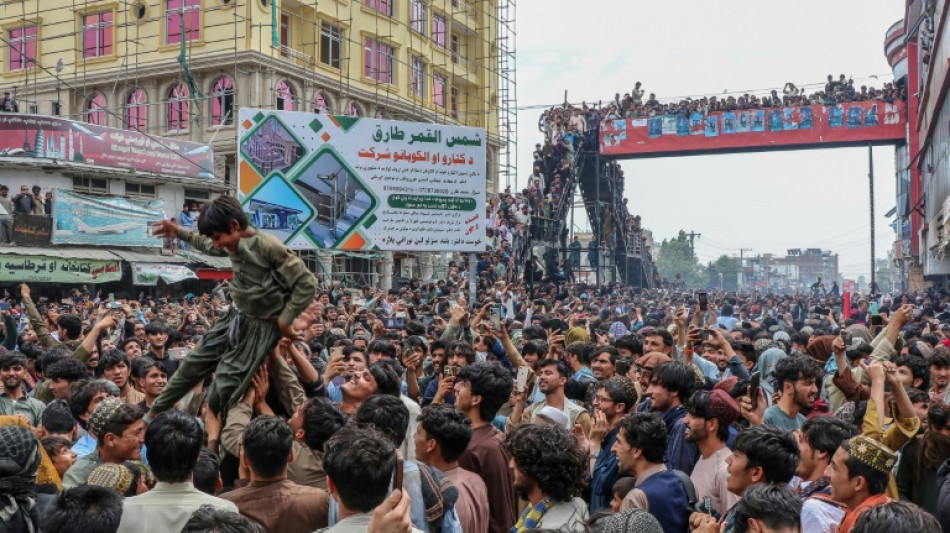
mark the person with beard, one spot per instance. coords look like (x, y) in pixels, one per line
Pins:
(797, 379)
(922, 457)
(672, 383)
(548, 468)
(940, 377)
(640, 447)
(552, 376)
(708, 418)
(13, 399)
(818, 439)
(612, 400)
(456, 355)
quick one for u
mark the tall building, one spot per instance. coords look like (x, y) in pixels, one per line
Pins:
(797, 271)
(180, 69)
(920, 57)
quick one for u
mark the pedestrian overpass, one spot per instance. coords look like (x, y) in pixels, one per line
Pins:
(596, 175)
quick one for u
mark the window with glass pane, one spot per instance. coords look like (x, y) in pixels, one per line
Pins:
(222, 102)
(378, 61)
(330, 38)
(284, 34)
(176, 108)
(22, 47)
(418, 68)
(96, 110)
(383, 6)
(438, 29)
(135, 110)
(320, 104)
(438, 90)
(97, 34)
(182, 17)
(454, 102)
(417, 16)
(285, 97)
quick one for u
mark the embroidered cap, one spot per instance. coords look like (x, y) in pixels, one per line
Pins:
(101, 415)
(111, 475)
(873, 453)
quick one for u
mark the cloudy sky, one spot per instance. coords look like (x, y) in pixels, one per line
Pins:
(768, 202)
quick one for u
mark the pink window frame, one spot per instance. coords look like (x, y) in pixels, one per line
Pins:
(222, 87)
(174, 10)
(136, 112)
(97, 34)
(176, 108)
(22, 47)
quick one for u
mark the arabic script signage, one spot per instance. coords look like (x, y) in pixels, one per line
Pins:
(346, 183)
(24, 135)
(58, 270)
(32, 230)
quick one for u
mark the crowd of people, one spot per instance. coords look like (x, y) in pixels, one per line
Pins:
(275, 404)
(28, 202)
(569, 121)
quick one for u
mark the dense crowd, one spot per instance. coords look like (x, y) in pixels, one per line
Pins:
(275, 404)
(568, 121)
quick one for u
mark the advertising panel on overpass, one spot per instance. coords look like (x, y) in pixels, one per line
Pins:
(755, 129)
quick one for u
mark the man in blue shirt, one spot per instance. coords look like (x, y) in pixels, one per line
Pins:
(640, 447)
(613, 398)
(797, 377)
(671, 384)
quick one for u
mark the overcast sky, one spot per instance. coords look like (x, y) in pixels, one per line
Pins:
(768, 202)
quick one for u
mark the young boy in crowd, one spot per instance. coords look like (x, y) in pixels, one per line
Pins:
(271, 288)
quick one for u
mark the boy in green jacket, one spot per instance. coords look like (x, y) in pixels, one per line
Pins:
(271, 288)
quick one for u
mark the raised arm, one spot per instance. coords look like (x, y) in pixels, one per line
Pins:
(300, 280)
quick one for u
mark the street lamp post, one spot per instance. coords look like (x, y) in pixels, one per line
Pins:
(720, 282)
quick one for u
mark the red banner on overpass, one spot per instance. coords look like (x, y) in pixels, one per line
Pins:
(776, 127)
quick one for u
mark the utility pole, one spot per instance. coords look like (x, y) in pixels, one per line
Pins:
(692, 236)
(871, 190)
(742, 251)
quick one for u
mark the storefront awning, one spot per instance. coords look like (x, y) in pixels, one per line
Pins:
(211, 274)
(211, 261)
(62, 252)
(59, 265)
(148, 274)
(152, 256)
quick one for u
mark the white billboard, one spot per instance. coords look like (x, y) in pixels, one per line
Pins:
(349, 183)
